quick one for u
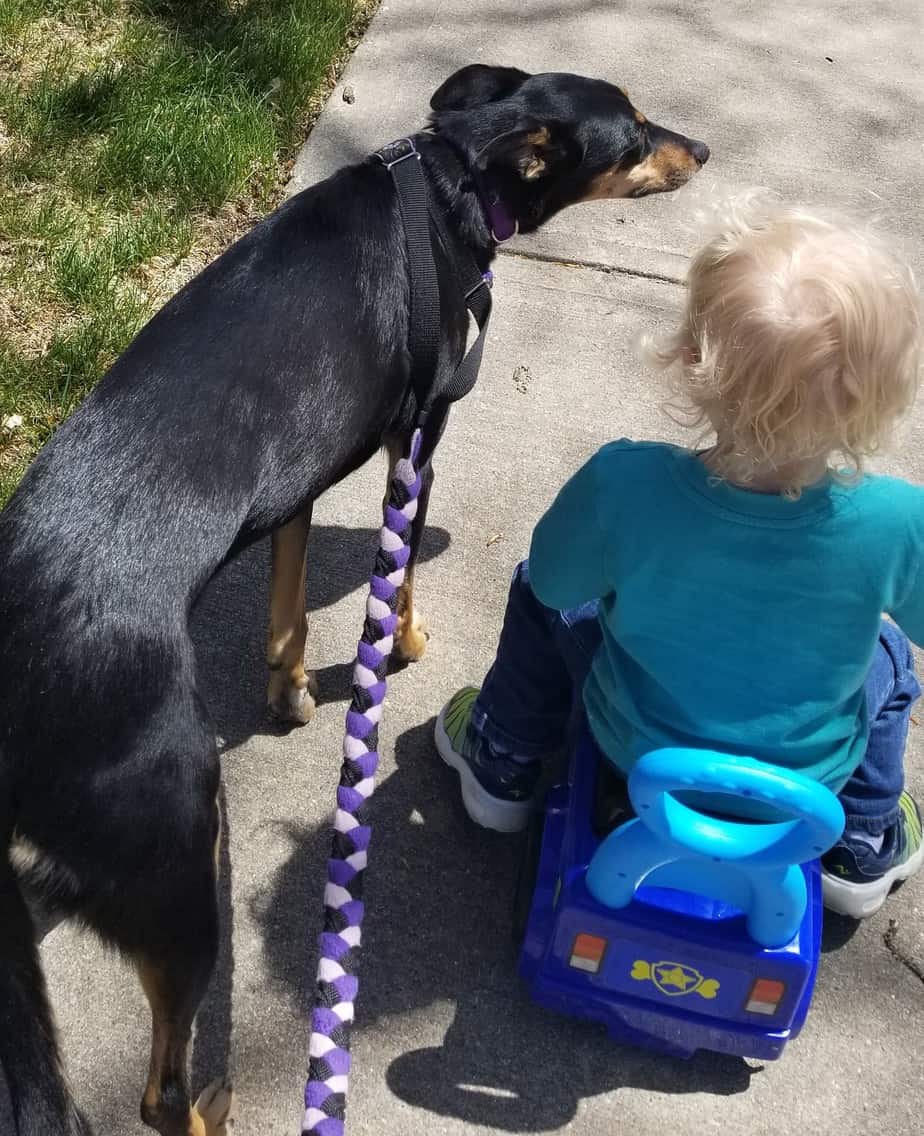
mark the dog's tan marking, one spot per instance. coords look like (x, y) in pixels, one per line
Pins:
(169, 1043)
(28, 857)
(610, 184)
(531, 164)
(291, 688)
(668, 167)
(411, 634)
(152, 982)
(640, 118)
(216, 848)
(210, 1113)
(45, 873)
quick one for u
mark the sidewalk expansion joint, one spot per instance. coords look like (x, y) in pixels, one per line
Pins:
(592, 266)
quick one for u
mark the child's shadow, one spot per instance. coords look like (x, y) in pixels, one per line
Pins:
(438, 927)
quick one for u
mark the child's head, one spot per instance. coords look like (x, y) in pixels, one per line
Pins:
(801, 343)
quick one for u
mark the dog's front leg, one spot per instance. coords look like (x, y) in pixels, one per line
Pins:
(411, 634)
(291, 689)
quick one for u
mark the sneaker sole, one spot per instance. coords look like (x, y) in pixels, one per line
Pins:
(859, 901)
(483, 808)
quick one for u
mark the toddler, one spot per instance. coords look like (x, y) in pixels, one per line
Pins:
(731, 597)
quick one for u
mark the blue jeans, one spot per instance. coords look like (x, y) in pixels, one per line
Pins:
(531, 696)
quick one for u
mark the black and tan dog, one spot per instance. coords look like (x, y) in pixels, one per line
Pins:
(267, 379)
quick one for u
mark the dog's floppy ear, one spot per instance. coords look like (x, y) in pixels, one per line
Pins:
(533, 150)
(476, 85)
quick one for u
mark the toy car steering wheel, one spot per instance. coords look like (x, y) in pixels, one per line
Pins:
(817, 818)
(754, 867)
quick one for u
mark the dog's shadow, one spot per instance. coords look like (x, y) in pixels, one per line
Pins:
(438, 928)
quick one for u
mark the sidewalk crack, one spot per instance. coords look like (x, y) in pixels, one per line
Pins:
(896, 950)
(591, 265)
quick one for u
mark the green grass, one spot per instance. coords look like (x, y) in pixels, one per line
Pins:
(137, 138)
(85, 270)
(14, 14)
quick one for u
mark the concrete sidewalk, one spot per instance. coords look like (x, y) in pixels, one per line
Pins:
(815, 98)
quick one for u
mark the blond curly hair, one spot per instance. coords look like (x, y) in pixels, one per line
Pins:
(800, 344)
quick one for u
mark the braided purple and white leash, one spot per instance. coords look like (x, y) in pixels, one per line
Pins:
(337, 984)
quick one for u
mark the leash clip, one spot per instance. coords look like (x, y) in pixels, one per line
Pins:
(487, 279)
(396, 152)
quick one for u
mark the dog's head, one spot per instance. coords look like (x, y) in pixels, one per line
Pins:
(542, 142)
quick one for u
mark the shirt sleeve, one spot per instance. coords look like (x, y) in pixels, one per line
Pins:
(907, 608)
(908, 611)
(568, 550)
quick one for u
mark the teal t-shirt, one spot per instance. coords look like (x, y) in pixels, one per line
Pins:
(732, 620)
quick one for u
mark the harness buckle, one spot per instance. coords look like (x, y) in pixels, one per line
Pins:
(396, 152)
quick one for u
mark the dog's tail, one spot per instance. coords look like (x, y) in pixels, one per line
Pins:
(28, 1051)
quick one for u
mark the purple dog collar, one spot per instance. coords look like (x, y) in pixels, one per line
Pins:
(501, 224)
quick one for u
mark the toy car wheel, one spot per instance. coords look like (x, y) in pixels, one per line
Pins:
(526, 877)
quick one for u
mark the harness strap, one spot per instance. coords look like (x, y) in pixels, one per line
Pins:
(476, 287)
(402, 160)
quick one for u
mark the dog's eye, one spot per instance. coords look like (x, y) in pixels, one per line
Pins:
(639, 150)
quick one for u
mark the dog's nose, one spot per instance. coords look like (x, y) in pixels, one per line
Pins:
(700, 152)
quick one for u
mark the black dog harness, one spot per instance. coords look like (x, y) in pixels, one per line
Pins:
(402, 160)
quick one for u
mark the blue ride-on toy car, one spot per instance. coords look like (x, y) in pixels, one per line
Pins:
(678, 930)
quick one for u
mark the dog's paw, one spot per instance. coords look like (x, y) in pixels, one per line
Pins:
(292, 700)
(411, 638)
(212, 1110)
